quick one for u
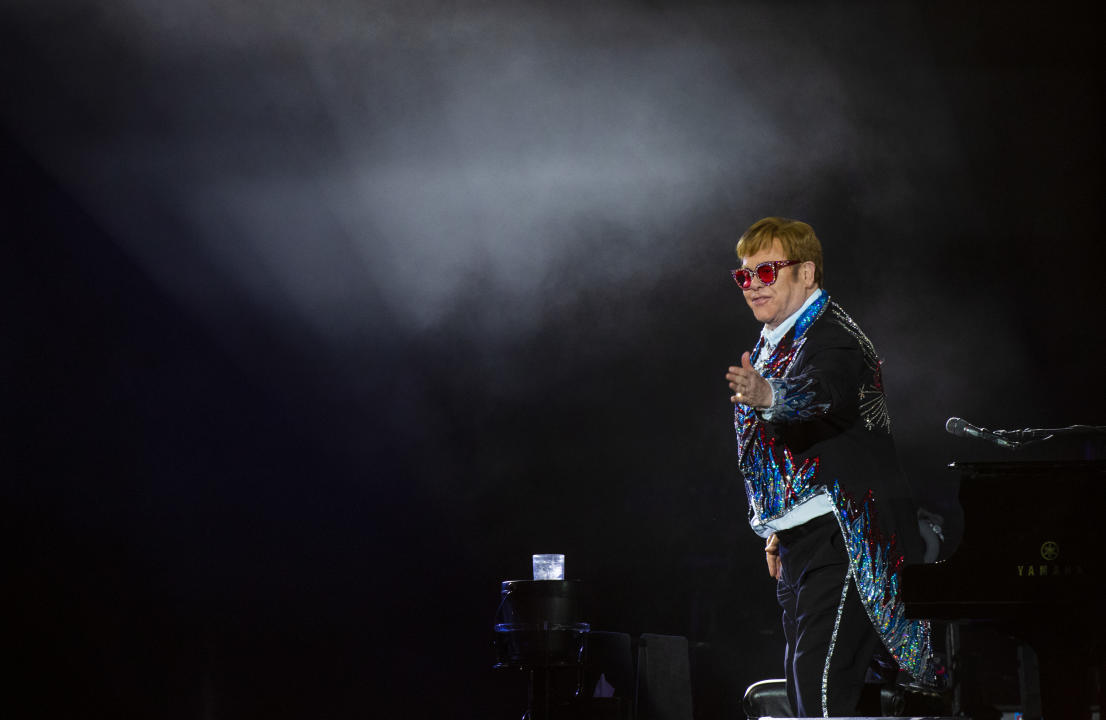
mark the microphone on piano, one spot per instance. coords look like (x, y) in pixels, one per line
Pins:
(962, 428)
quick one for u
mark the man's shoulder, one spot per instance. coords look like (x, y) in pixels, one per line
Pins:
(836, 328)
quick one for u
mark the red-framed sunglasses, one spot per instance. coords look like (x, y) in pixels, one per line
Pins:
(766, 272)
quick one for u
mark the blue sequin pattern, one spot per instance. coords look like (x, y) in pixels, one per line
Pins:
(812, 313)
(876, 565)
(778, 487)
(793, 400)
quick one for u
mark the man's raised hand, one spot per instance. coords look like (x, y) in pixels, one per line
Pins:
(748, 386)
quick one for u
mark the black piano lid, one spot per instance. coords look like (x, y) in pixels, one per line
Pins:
(1033, 539)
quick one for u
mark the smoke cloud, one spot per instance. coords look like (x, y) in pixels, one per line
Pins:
(341, 162)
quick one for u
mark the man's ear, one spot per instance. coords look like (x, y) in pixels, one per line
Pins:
(807, 270)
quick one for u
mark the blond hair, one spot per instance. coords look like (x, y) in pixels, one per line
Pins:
(796, 237)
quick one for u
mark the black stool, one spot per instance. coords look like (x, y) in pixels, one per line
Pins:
(768, 698)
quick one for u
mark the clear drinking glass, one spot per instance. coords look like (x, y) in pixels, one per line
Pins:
(549, 567)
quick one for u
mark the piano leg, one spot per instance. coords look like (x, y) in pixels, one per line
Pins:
(1064, 662)
(1029, 681)
(952, 652)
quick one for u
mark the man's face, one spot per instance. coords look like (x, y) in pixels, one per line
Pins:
(772, 304)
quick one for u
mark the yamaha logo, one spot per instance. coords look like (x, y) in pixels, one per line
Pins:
(1050, 550)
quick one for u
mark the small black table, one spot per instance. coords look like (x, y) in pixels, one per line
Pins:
(538, 629)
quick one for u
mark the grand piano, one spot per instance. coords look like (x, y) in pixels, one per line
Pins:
(1032, 562)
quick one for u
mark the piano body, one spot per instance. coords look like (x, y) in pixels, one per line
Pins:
(1031, 561)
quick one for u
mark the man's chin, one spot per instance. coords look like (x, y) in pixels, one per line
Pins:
(762, 316)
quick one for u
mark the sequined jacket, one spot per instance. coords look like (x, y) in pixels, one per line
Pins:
(828, 432)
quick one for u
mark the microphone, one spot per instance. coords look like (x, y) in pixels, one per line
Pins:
(962, 428)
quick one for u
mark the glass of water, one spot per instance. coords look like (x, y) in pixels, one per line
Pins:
(549, 567)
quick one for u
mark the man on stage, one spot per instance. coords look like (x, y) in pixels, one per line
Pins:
(822, 477)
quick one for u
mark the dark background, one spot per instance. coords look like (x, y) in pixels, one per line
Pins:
(320, 318)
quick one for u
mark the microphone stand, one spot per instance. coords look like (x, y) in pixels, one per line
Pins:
(1027, 436)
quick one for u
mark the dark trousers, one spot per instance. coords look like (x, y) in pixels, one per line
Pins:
(830, 641)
